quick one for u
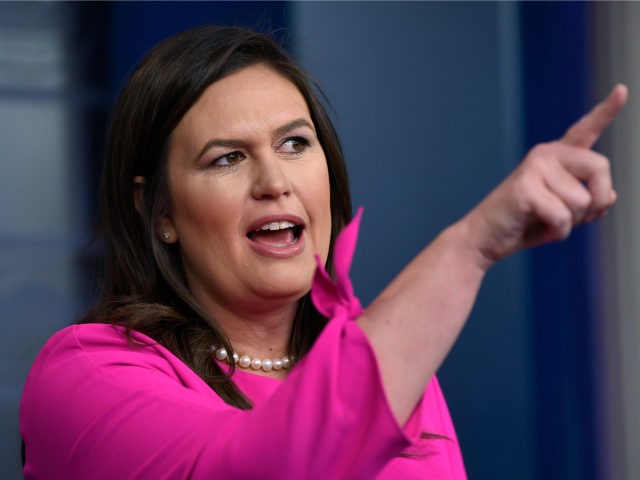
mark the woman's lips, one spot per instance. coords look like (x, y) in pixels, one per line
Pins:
(277, 236)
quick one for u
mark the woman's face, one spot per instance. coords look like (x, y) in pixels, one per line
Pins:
(249, 193)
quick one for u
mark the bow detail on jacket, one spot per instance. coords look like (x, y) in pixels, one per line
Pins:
(329, 296)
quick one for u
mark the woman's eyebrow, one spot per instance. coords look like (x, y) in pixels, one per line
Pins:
(300, 122)
(220, 142)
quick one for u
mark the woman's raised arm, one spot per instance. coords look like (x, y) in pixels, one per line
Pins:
(413, 324)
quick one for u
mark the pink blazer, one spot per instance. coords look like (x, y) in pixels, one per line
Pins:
(96, 406)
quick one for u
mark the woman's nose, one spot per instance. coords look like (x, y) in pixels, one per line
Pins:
(271, 180)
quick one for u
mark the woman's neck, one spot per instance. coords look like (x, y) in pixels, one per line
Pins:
(258, 334)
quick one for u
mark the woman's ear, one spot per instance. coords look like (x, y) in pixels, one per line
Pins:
(138, 192)
(164, 227)
(166, 230)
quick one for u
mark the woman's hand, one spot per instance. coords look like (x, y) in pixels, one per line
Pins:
(558, 186)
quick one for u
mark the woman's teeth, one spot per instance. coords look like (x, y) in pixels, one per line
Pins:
(276, 226)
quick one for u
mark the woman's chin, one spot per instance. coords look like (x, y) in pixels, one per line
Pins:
(283, 293)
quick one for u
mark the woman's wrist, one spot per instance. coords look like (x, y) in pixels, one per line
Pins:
(464, 240)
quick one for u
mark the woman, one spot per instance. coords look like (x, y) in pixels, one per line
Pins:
(223, 187)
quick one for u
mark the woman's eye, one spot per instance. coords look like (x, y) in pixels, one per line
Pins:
(227, 159)
(294, 145)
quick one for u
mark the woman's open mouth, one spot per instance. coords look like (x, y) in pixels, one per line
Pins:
(276, 234)
(278, 237)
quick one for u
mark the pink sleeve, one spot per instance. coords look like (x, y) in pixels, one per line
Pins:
(95, 407)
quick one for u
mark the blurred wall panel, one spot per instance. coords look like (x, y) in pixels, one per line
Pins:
(38, 197)
(618, 56)
(427, 102)
(558, 89)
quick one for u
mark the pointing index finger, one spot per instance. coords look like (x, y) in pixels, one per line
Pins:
(586, 131)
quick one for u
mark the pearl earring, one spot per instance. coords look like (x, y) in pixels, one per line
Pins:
(166, 235)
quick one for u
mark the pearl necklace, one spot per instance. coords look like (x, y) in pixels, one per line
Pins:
(245, 361)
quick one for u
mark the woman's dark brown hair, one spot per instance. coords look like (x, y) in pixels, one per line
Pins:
(144, 286)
